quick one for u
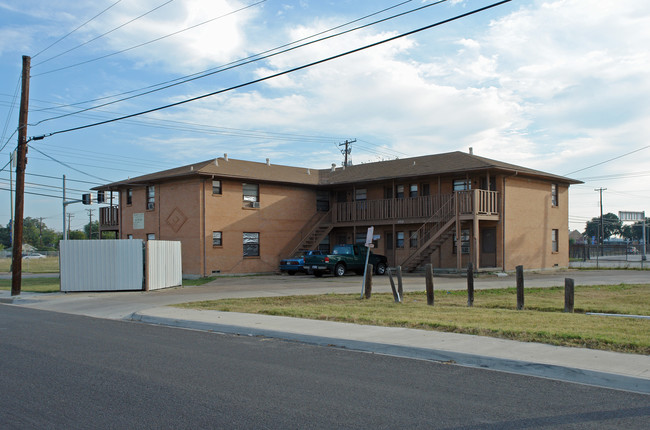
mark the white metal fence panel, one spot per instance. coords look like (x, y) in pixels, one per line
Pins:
(101, 265)
(164, 264)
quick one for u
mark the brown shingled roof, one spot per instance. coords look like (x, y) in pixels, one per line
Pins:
(448, 163)
(219, 167)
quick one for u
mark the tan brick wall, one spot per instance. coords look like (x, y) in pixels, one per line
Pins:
(186, 210)
(529, 219)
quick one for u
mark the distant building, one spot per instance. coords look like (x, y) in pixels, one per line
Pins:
(235, 216)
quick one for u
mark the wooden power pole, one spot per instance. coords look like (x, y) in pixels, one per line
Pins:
(21, 161)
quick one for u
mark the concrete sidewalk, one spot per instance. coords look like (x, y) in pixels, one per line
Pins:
(601, 368)
(629, 372)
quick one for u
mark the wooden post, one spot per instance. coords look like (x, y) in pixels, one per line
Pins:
(400, 291)
(520, 287)
(470, 285)
(21, 161)
(368, 291)
(568, 295)
(396, 296)
(428, 274)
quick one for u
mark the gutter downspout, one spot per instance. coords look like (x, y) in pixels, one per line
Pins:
(203, 226)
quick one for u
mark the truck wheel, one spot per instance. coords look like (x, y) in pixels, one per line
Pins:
(318, 274)
(381, 269)
(339, 270)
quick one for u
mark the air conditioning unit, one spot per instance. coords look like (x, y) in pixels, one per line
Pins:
(150, 206)
(255, 205)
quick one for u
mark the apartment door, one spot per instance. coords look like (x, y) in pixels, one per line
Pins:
(488, 247)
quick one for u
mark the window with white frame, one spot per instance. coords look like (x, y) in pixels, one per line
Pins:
(216, 238)
(216, 187)
(554, 240)
(151, 197)
(251, 244)
(464, 241)
(399, 242)
(554, 195)
(251, 195)
(360, 194)
(462, 184)
(413, 190)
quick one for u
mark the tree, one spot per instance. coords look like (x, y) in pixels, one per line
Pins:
(95, 230)
(76, 235)
(611, 225)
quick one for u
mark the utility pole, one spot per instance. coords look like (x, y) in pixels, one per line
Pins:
(70, 216)
(347, 150)
(602, 227)
(21, 161)
(90, 224)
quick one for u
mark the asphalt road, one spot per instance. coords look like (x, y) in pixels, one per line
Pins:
(69, 371)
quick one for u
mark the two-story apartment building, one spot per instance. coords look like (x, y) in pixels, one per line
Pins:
(235, 216)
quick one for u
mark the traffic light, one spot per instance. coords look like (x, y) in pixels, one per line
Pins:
(87, 199)
(101, 198)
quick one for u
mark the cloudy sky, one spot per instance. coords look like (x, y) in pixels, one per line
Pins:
(557, 85)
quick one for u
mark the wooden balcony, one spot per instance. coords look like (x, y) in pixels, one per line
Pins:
(109, 218)
(472, 203)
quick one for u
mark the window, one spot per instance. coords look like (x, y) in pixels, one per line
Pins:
(251, 244)
(151, 197)
(360, 238)
(129, 196)
(399, 191)
(400, 240)
(554, 244)
(360, 194)
(151, 236)
(129, 236)
(216, 187)
(464, 241)
(216, 238)
(413, 190)
(251, 195)
(553, 194)
(413, 239)
(462, 185)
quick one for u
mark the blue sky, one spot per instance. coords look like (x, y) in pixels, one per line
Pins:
(556, 85)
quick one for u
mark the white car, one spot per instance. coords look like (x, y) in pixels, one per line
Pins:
(33, 256)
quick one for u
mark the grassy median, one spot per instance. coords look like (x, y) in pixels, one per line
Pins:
(493, 314)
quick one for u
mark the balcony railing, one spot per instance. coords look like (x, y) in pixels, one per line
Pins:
(478, 202)
(109, 216)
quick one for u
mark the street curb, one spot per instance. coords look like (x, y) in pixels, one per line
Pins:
(548, 371)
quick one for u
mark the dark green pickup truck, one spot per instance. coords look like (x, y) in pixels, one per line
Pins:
(344, 258)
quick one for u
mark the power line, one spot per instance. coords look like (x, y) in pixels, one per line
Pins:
(607, 161)
(68, 166)
(104, 34)
(295, 69)
(149, 42)
(244, 59)
(60, 39)
(235, 64)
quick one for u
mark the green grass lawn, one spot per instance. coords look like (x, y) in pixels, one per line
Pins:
(37, 265)
(494, 314)
(33, 285)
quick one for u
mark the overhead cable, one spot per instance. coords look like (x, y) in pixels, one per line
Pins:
(295, 69)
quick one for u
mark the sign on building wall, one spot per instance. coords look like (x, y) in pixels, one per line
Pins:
(138, 221)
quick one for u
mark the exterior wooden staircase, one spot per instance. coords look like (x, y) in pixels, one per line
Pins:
(433, 233)
(313, 234)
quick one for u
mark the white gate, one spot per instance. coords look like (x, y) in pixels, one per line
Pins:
(164, 264)
(119, 265)
(101, 265)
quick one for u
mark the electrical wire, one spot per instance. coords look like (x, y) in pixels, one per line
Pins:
(11, 109)
(607, 161)
(91, 19)
(235, 64)
(104, 34)
(149, 42)
(275, 75)
(218, 68)
(69, 167)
